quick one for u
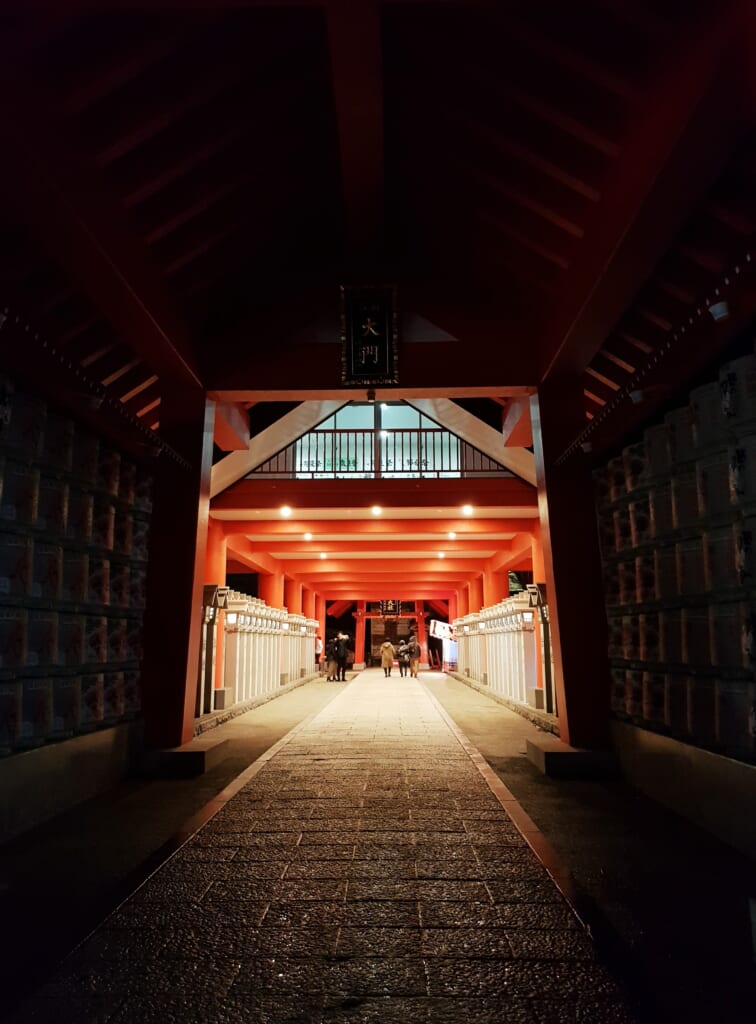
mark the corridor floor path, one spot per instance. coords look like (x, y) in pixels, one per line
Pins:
(364, 870)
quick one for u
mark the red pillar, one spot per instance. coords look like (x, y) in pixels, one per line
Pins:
(453, 608)
(293, 596)
(476, 594)
(215, 555)
(215, 572)
(359, 635)
(308, 603)
(539, 576)
(270, 588)
(176, 569)
(536, 548)
(320, 614)
(463, 601)
(495, 587)
(421, 637)
(571, 553)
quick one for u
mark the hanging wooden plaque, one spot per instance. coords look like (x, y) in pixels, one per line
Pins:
(369, 336)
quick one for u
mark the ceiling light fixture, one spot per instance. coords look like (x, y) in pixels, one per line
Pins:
(376, 510)
(308, 536)
(467, 510)
(285, 511)
(441, 554)
(451, 535)
(323, 554)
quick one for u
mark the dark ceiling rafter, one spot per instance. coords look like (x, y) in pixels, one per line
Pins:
(687, 351)
(646, 200)
(354, 44)
(66, 206)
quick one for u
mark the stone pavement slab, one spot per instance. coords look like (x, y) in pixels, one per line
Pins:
(365, 872)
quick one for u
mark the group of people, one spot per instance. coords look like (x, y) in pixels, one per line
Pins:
(407, 654)
(336, 658)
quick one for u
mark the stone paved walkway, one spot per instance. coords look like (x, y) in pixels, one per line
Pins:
(364, 872)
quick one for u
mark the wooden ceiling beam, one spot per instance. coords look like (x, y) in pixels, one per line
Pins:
(60, 198)
(536, 161)
(679, 140)
(113, 363)
(118, 70)
(143, 398)
(231, 426)
(609, 370)
(598, 386)
(130, 128)
(580, 64)
(690, 352)
(355, 49)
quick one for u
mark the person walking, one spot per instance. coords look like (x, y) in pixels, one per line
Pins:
(387, 657)
(414, 655)
(318, 649)
(402, 656)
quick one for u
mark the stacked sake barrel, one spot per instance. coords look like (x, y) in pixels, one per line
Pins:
(677, 524)
(74, 525)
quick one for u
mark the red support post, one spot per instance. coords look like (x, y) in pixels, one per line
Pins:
(270, 588)
(571, 554)
(176, 569)
(476, 594)
(359, 634)
(308, 603)
(293, 596)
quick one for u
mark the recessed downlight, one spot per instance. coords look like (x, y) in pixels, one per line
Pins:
(308, 536)
(451, 535)
(285, 511)
(323, 554)
(467, 510)
(441, 554)
(376, 510)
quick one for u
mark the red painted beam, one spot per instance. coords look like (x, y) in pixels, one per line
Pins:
(516, 428)
(339, 608)
(480, 532)
(506, 492)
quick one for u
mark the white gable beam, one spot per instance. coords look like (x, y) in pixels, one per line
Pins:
(469, 428)
(269, 442)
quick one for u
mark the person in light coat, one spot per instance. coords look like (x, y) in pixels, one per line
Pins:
(387, 657)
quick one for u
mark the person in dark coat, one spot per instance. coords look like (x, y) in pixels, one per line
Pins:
(330, 654)
(340, 650)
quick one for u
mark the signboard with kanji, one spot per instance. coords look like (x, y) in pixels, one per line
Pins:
(370, 344)
(391, 607)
